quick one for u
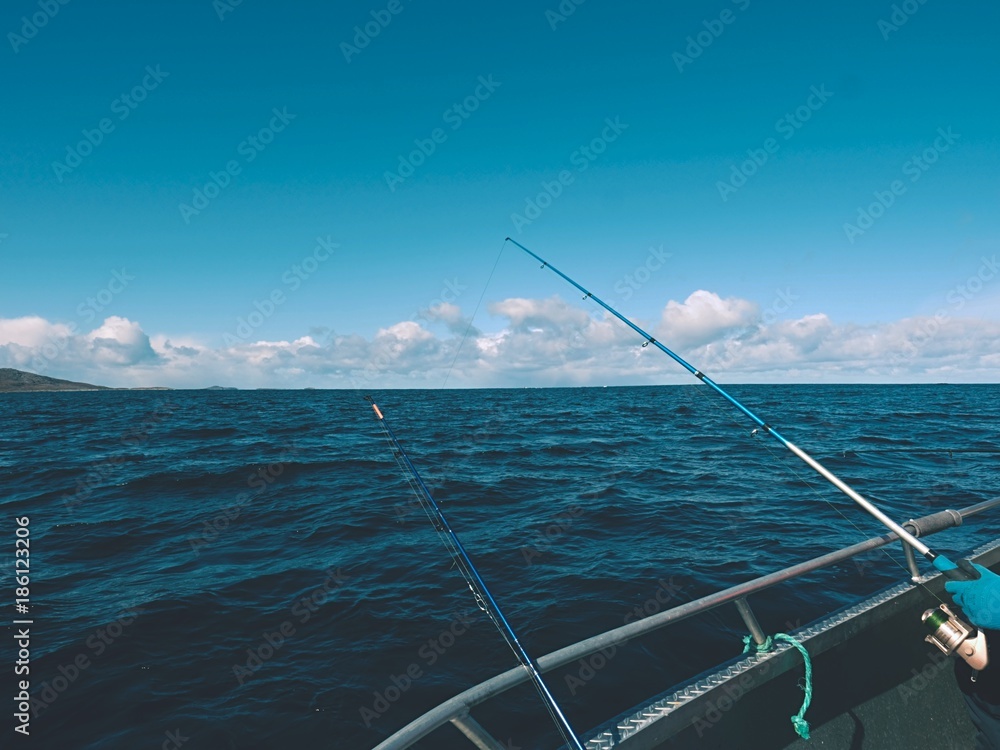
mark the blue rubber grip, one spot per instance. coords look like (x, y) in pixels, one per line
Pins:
(964, 572)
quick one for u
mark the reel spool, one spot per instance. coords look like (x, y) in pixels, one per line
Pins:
(952, 636)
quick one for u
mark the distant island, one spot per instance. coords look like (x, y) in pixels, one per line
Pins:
(19, 381)
(12, 380)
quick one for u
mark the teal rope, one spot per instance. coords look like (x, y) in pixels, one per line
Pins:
(799, 720)
(763, 648)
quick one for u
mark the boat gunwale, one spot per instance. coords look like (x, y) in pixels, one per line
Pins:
(460, 705)
(684, 703)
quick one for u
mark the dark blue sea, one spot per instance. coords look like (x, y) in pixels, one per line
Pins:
(249, 569)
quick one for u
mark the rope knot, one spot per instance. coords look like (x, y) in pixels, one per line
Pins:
(761, 648)
(798, 720)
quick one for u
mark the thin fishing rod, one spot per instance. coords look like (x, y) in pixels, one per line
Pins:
(944, 564)
(479, 588)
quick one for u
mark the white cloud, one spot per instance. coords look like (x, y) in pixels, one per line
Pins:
(119, 341)
(544, 342)
(531, 314)
(449, 314)
(403, 334)
(30, 331)
(704, 317)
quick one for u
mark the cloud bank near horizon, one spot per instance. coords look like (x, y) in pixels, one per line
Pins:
(543, 342)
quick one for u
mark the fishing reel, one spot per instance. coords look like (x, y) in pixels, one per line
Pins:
(953, 636)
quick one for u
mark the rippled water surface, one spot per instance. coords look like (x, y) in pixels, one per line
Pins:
(250, 569)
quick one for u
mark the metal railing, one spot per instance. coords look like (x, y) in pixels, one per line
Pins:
(457, 709)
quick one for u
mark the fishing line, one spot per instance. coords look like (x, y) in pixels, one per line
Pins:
(973, 643)
(963, 571)
(476, 584)
(474, 312)
(456, 558)
(791, 469)
(783, 461)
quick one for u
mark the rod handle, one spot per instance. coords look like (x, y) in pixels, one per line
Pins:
(964, 571)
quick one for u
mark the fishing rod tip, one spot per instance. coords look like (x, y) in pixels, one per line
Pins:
(371, 401)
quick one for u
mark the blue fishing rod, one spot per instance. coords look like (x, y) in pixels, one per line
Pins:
(947, 631)
(963, 571)
(483, 596)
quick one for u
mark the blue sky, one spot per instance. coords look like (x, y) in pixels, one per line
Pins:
(734, 204)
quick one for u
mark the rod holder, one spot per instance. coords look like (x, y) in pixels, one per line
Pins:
(476, 733)
(750, 619)
(911, 562)
(924, 526)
